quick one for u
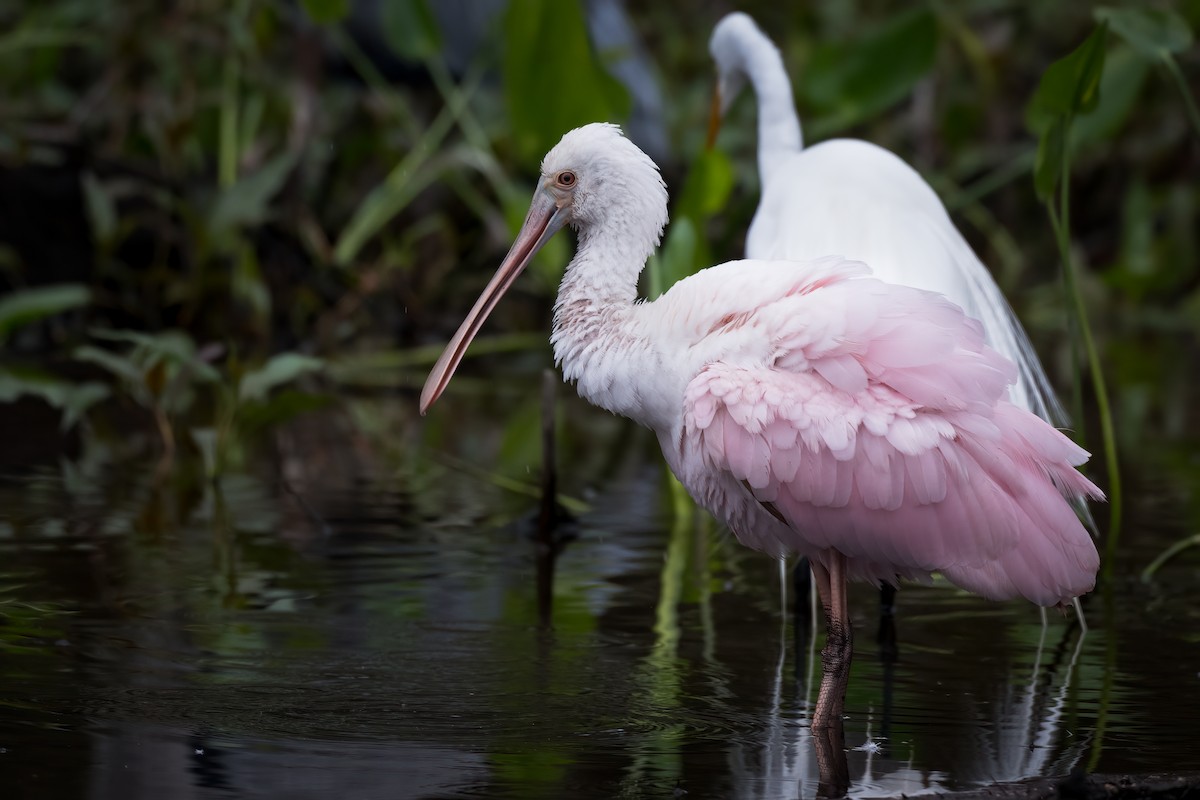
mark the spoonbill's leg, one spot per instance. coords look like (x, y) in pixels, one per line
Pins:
(839, 643)
(821, 579)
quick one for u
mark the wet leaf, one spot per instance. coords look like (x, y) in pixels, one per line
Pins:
(553, 81)
(410, 29)
(30, 305)
(1154, 33)
(284, 368)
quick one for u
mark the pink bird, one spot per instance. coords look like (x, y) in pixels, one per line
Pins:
(811, 407)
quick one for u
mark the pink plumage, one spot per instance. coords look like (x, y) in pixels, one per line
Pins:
(877, 426)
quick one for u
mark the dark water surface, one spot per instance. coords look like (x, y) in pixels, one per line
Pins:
(179, 640)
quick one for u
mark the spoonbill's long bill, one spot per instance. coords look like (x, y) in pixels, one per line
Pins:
(809, 406)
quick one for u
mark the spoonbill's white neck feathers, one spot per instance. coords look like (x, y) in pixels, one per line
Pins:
(742, 51)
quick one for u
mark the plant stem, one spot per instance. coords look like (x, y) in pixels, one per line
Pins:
(1168, 554)
(1062, 231)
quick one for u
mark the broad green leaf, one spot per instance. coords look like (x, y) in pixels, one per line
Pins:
(706, 189)
(29, 305)
(1071, 85)
(101, 211)
(410, 29)
(553, 81)
(73, 399)
(279, 408)
(675, 260)
(283, 368)
(1153, 33)
(1120, 86)
(173, 347)
(327, 12)
(247, 202)
(1048, 164)
(118, 365)
(851, 81)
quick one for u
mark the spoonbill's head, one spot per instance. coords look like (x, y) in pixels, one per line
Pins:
(601, 184)
(734, 41)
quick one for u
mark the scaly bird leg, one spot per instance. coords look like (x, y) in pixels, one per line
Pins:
(839, 646)
(821, 577)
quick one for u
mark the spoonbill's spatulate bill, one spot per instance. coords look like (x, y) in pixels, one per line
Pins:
(809, 406)
(858, 200)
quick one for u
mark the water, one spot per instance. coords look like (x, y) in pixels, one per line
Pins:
(373, 632)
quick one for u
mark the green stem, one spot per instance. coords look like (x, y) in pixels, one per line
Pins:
(1189, 102)
(1168, 554)
(1062, 231)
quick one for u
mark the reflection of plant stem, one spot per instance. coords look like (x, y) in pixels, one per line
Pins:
(1168, 554)
(1061, 222)
(1189, 103)
(1110, 670)
(168, 438)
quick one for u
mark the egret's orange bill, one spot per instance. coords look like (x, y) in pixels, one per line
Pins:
(544, 219)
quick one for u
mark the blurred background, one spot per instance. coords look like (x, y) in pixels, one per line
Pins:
(234, 235)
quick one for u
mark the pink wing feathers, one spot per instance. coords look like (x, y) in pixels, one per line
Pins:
(878, 427)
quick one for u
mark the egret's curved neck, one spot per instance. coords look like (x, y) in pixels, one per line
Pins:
(778, 125)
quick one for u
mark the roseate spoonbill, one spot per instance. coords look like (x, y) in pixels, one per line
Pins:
(810, 407)
(854, 198)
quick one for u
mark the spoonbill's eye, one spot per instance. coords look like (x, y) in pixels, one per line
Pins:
(565, 179)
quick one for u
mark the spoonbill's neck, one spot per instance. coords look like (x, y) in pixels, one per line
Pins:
(778, 126)
(597, 338)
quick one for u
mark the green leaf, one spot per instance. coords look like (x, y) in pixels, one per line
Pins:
(73, 399)
(707, 188)
(247, 202)
(676, 259)
(118, 365)
(278, 409)
(553, 81)
(1120, 86)
(1048, 165)
(283, 368)
(1071, 85)
(326, 12)
(1153, 33)
(101, 212)
(850, 82)
(29, 305)
(410, 28)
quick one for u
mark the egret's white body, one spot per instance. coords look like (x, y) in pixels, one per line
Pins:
(860, 201)
(811, 407)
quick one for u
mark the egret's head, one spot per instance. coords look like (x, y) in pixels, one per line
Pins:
(733, 37)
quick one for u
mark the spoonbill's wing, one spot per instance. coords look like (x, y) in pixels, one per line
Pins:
(876, 427)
